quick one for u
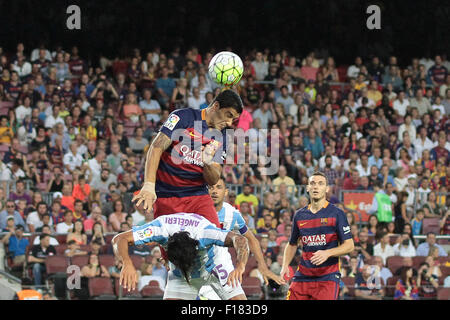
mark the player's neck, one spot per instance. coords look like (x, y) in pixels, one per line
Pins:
(208, 118)
(316, 205)
(218, 206)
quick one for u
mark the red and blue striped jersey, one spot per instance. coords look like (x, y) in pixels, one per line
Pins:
(323, 230)
(180, 170)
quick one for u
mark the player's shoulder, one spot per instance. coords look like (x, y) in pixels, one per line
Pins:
(332, 209)
(186, 113)
(229, 208)
(301, 212)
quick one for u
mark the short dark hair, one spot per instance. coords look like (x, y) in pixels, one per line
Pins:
(182, 251)
(321, 174)
(229, 99)
(43, 236)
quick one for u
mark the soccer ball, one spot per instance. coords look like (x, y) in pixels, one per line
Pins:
(226, 68)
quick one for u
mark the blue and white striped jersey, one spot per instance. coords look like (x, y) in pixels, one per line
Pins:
(231, 219)
(199, 228)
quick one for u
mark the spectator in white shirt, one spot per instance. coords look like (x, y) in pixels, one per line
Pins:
(66, 226)
(353, 70)
(96, 163)
(54, 118)
(261, 67)
(422, 142)
(407, 126)
(24, 109)
(150, 107)
(35, 218)
(404, 248)
(400, 104)
(383, 248)
(22, 67)
(196, 100)
(72, 160)
(364, 168)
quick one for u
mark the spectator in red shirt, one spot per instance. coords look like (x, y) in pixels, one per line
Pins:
(81, 190)
(353, 182)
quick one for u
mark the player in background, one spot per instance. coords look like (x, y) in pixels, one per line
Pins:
(231, 220)
(189, 240)
(324, 233)
(177, 172)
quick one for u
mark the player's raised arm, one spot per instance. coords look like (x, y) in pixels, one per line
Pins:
(128, 274)
(147, 195)
(240, 244)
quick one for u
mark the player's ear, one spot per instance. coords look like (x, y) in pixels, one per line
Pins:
(216, 106)
(327, 189)
(226, 192)
(307, 187)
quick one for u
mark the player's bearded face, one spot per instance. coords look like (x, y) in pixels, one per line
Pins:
(224, 117)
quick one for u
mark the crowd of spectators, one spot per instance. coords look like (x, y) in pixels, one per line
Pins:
(79, 131)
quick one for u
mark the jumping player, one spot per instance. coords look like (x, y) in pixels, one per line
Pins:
(189, 240)
(231, 220)
(186, 156)
(324, 233)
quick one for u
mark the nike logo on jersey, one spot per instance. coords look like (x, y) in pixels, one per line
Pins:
(302, 224)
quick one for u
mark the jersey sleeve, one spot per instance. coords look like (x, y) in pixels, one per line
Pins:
(150, 232)
(240, 222)
(178, 119)
(343, 228)
(211, 235)
(295, 233)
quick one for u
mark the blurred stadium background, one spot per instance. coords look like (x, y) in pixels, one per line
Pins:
(82, 104)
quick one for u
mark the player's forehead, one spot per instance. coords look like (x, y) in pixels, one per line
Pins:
(233, 112)
(316, 179)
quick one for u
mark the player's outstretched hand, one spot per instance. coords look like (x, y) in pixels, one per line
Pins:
(267, 274)
(128, 276)
(319, 257)
(235, 276)
(146, 196)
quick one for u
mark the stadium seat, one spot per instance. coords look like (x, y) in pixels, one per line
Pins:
(417, 261)
(56, 264)
(394, 262)
(106, 259)
(108, 238)
(390, 286)
(101, 288)
(445, 271)
(431, 225)
(443, 294)
(124, 293)
(6, 104)
(152, 292)
(443, 260)
(252, 288)
(4, 148)
(61, 249)
(62, 238)
(80, 261)
(350, 284)
(137, 261)
(251, 264)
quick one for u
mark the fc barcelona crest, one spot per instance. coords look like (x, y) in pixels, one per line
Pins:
(323, 221)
